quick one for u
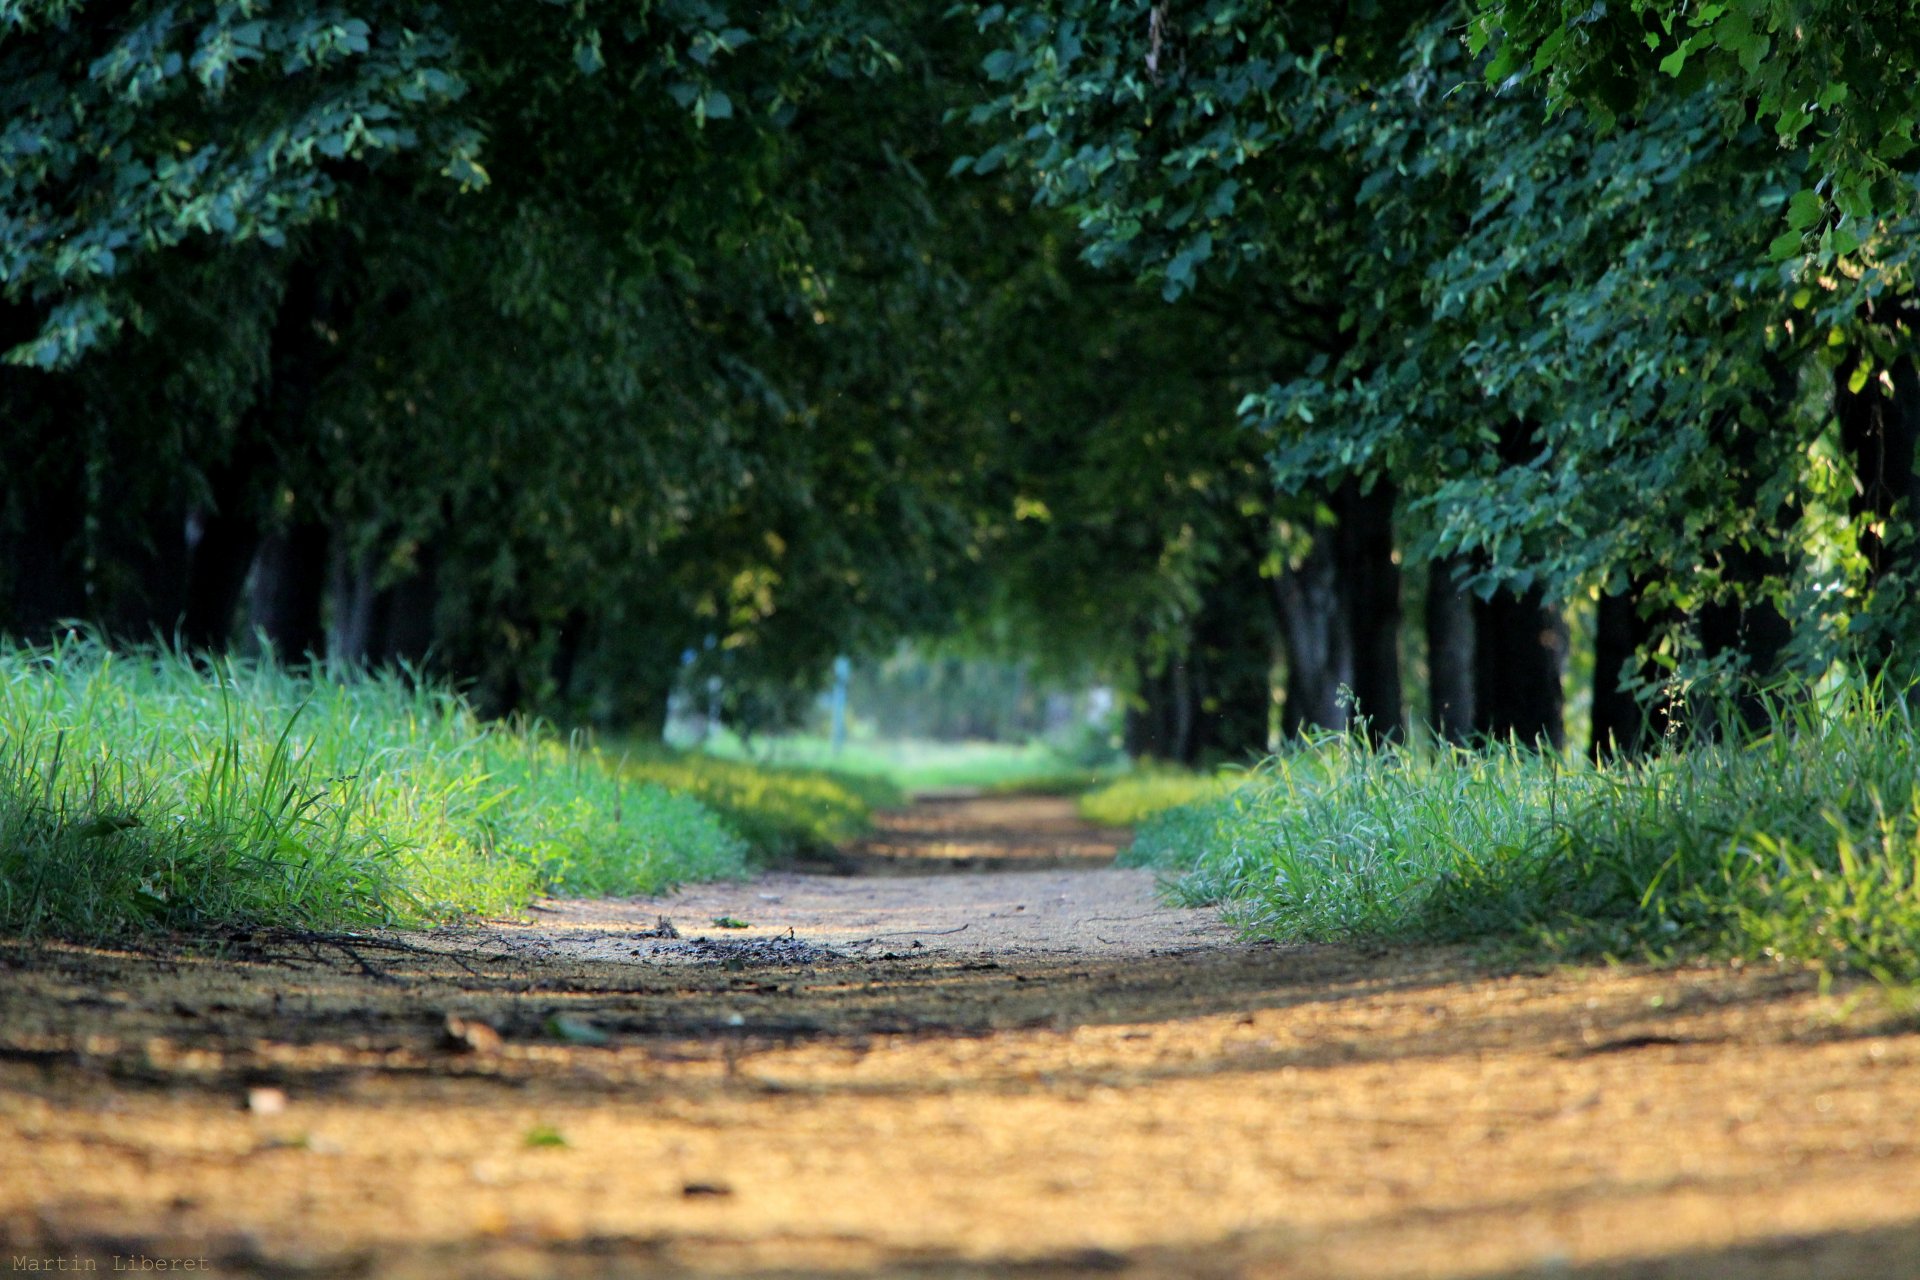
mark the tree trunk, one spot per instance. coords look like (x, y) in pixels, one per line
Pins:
(1622, 723)
(351, 587)
(1753, 628)
(1744, 629)
(43, 493)
(567, 650)
(1369, 585)
(1881, 429)
(1232, 667)
(1161, 727)
(225, 538)
(1314, 633)
(407, 610)
(1520, 647)
(288, 589)
(221, 542)
(1450, 649)
(1181, 747)
(140, 578)
(42, 536)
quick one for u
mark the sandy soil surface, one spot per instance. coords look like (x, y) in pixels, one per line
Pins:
(1091, 1085)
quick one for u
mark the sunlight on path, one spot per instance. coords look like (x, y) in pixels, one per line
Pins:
(926, 897)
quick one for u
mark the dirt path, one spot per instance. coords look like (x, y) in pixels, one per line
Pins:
(1062, 1079)
(1006, 878)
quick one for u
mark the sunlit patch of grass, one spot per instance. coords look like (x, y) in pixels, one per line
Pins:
(781, 811)
(1801, 845)
(146, 790)
(1129, 800)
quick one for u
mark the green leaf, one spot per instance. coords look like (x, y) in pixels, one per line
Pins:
(730, 922)
(1805, 209)
(717, 106)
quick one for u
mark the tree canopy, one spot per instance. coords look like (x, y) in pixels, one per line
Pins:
(1270, 363)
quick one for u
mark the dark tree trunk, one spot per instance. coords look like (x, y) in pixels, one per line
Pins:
(1881, 432)
(1161, 727)
(1881, 429)
(1314, 636)
(1231, 668)
(1182, 745)
(43, 494)
(288, 590)
(1745, 625)
(221, 542)
(351, 587)
(141, 580)
(42, 536)
(407, 612)
(1752, 628)
(376, 625)
(1368, 581)
(1623, 724)
(1520, 647)
(1450, 649)
(1139, 733)
(567, 649)
(224, 538)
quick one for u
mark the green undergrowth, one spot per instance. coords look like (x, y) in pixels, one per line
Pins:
(143, 790)
(1127, 801)
(1801, 845)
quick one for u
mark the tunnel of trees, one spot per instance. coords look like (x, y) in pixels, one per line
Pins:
(1289, 367)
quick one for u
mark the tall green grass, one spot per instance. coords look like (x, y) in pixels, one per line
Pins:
(142, 790)
(1802, 844)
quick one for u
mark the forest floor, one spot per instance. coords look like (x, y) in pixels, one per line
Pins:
(967, 1047)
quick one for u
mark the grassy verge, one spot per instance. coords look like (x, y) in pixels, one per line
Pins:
(141, 790)
(781, 811)
(1801, 846)
(914, 767)
(1130, 800)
